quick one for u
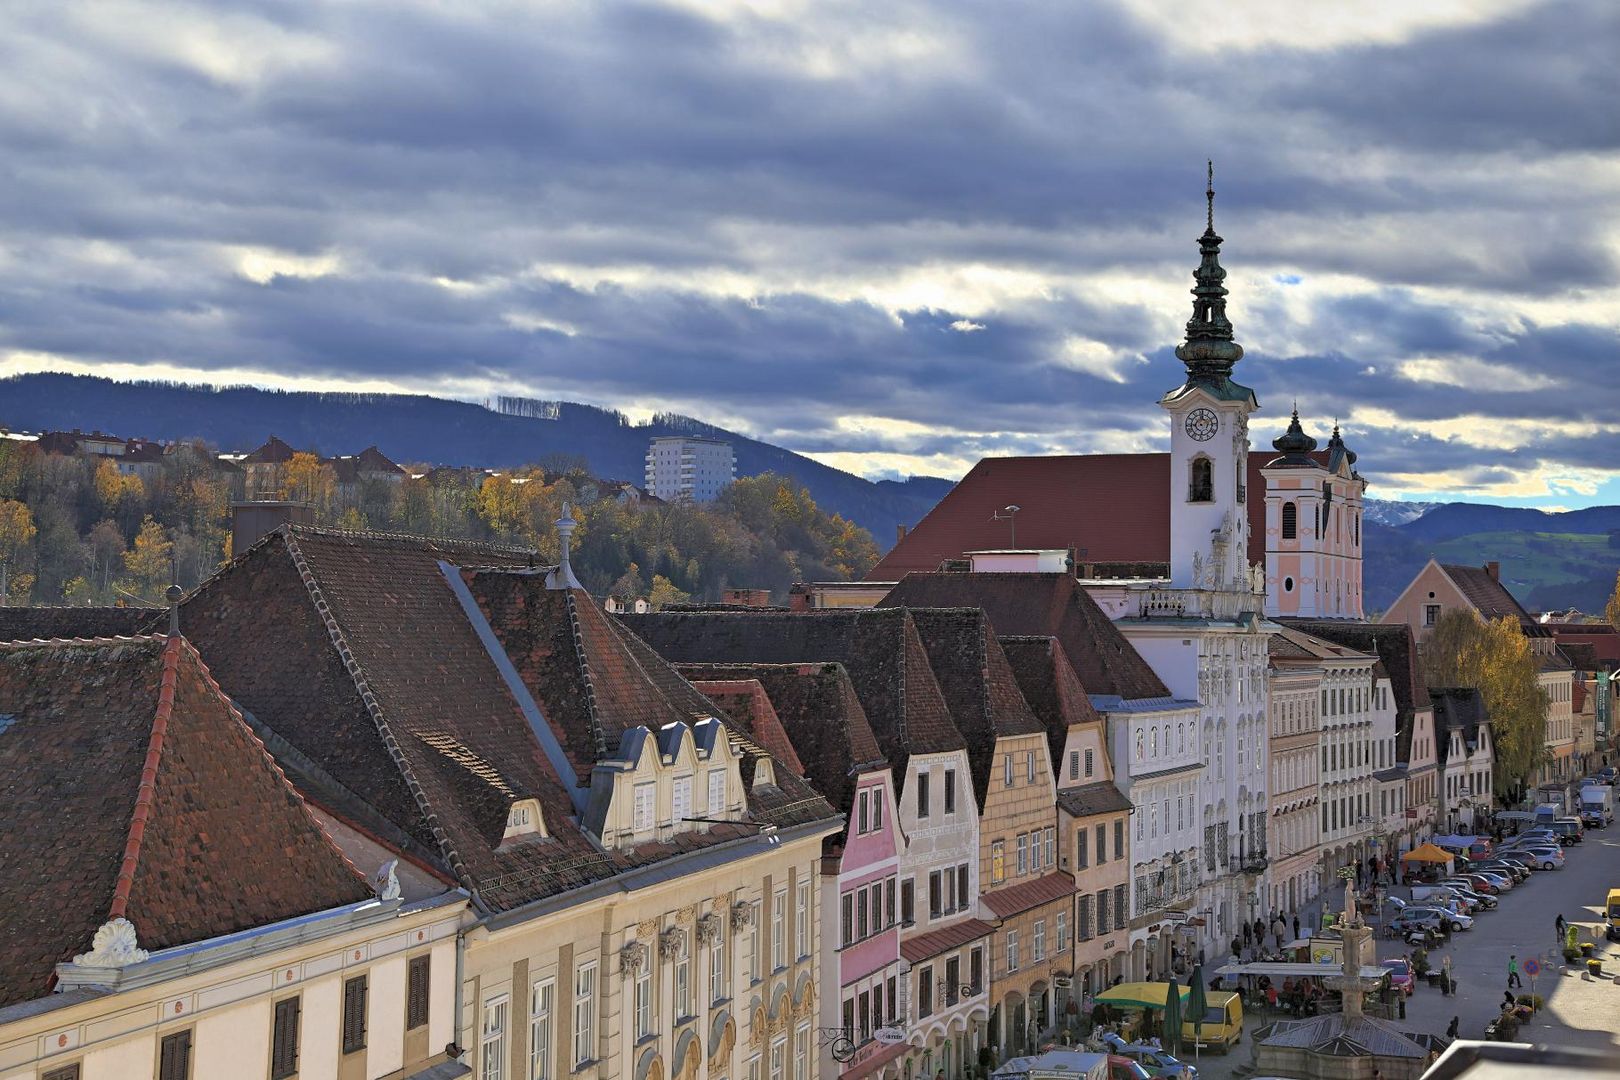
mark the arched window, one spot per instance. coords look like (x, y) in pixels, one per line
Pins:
(1201, 481)
(1290, 520)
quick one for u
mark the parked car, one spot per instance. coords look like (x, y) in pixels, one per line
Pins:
(1481, 901)
(1151, 1058)
(1545, 858)
(1121, 1067)
(1569, 829)
(1483, 881)
(1609, 774)
(1410, 919)
(1518, 871)
(1400, 975)
(1454, 920)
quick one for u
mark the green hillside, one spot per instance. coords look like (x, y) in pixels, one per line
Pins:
(1543, 570)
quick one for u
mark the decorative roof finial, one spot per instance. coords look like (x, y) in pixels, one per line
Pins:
(173, 594)
(563, 576)
(1209, 351)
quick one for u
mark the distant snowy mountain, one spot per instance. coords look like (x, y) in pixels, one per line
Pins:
(1393, 513)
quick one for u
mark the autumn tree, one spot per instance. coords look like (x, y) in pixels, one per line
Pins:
(16, 532)
(1611, 610)
(1495, 657)
(664, 593)
(307, 480)
(150, 562)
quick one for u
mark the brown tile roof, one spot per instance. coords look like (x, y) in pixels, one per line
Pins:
(1101, 797)
(1290, 643)
(26, 623)
(1456, 708)
(1051, 687)
(1490, 597)
(130, 787)
(745, 702)
(880, 650)
(273, 452)
(818, 708)
(978, 684)
(1111, 507)
(919, 947)
(1049, 605)
(1009, 900)
(1557, 660)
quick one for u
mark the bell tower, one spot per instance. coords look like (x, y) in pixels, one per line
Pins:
(1209, 437)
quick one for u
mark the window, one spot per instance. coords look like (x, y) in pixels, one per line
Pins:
(682, 808)
(354, 1015)
(863, 822)
(925, 992)
(1290, 521)
(950, 791)
(717, 792)
(801, 1054)
(1029, 766)
(1102, 912)
(1431, 614)
(847, 918)
(778, 1058)
(1082, 924)
(1023, 853)
(641, 1002)
(1062, 931)
(754, 957)
(922, 795)
(683, 986)
(492, 1040)
(888, 900)
(1201, 480)
(174, 1056)
(1121, 904)
(1102, 844)
(584, 1013)
(801, 917)
(416, 993)
(646, 803)
(1074, 764)
(541, 998)
(284, 1039)
(1038, 941)
(962, 885)
(64, 1072)
(1088, 762)
(1006, 770)
(908, 901)
(877, 809)
(1012, 950)
(976, 970)
(1050, 841)
(936, 895)
(779, 931)
(1080, 859)
(998, 861)
(1140, 756)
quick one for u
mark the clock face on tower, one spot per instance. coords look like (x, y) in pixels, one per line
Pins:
(1202, 424)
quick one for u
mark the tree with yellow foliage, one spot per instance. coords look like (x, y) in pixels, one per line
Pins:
(306, 480)
(150, 562)
(16, 533)
(1611, 610)
(1495, 657)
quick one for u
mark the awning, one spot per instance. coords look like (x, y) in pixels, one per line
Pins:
(1138, 995)
(876, 1061)
(1428, 853)
(1295, 971)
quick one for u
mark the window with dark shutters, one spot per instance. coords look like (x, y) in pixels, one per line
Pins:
(174, 1056)
(65, 1072)
(1290, 521)
(284, 1040)
(416, 994)
(354, 1015)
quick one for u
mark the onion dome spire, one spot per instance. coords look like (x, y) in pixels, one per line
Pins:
(1294, 442)
(1209, 351)
(1336, 444)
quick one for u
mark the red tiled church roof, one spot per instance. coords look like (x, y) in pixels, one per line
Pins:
(131, 788)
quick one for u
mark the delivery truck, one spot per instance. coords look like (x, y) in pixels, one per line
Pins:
(1597, 805)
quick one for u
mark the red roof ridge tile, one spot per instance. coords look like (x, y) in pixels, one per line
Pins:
(146, 790)
(351, 663)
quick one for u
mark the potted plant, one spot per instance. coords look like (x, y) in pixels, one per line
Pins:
(1594, 965)
(1420, 963)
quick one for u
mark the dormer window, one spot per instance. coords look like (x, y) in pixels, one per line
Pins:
(523, 819)
(681, 807)
(646, 806)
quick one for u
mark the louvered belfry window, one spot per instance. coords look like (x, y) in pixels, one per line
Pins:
(174, 1056)
(416, 994)
(354, 1015)
(284, 1040)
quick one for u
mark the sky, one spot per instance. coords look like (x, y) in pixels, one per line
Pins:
(898, 237)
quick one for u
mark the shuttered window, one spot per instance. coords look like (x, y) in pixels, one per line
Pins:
(354, 1015)
(284, 1040)
(66, 1072)
(174, 1056)
(416, 994)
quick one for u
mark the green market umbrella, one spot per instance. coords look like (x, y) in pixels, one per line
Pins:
(1196, 1004)
(1171, 1036)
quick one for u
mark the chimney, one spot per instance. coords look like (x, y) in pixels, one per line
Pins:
(252, 521)
(1495, 570)
(900, 532)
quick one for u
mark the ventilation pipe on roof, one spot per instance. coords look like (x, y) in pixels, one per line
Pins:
(563, 577)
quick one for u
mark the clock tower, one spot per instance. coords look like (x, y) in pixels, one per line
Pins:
(1209, 438)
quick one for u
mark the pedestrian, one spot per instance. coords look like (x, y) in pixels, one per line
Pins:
(1507, 1000)
(1296, 927)
(1513, 971)
(1558, 925)
(1237, 947)
(1248, 933)
(1259, 932)
(1451, 1029)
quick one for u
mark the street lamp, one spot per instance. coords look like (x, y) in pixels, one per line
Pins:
(1009, 514)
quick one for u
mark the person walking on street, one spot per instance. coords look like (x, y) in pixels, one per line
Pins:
(1248, 933)
(1451, 1029)
(1296, 927)
(1513, 971)
(1558, 926)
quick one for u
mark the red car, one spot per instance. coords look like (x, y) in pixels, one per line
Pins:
(1481, 883)
(1123, 1068)
(1400, 976)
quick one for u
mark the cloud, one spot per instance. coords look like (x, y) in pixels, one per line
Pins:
(895, 236)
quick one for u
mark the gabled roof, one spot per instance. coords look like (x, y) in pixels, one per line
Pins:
(1456, 708)
(880, 650)
(1050, 686)
(1290, 643)
(1110, 507)
(1048, 605)
(818, 708)
(1482, 589)
(1092, 799)
(273, 452)
(25, 623)
(131, 788)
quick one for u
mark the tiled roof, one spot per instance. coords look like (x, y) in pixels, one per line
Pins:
(1456, 708)
(1392, 643)
(919, 947)
(1557, 660)
(1009, 900)
(819, 710)
(26, 623)
(1101, 797)
(745, 702)
(1292, 643)
(1048, 605)
(880, 650)
(1490, 597)
(1051, 687)
(1112, 507)
(273, 452)
(129, 787)
(978, 684)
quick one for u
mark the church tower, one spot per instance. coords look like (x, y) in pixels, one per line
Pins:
(1313, 527)
(1209, 437)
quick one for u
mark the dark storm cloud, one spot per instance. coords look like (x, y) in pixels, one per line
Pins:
(643, 204)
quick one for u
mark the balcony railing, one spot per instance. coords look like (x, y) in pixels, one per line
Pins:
(1250, 862)
(1162, 603)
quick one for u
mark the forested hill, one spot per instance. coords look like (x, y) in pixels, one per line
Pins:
(432, 430)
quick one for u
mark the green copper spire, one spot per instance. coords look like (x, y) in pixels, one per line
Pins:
(1209, 351)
